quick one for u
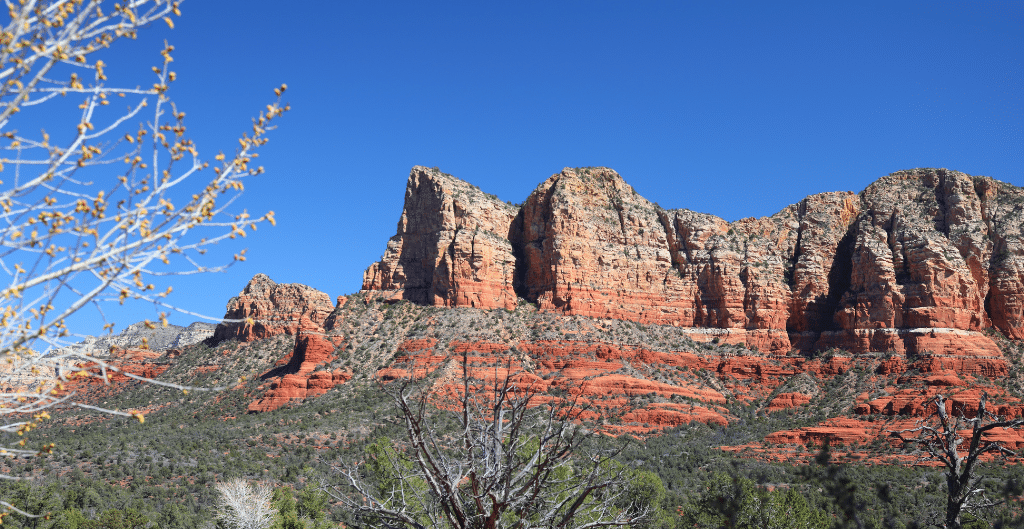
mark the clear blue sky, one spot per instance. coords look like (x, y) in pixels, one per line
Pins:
(731, 108)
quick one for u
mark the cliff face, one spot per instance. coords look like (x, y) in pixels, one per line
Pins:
(452, 247)
(594, 247)
(293, 376)
(922, 266)
(921, 261)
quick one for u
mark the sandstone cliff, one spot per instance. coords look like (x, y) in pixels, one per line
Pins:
(921, 261)
(265, 309)
(452, 246)
(296, 375)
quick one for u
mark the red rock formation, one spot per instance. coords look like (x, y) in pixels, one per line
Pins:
(295, 374)
(656, 389)
(916, 254)
(267, 309)
(593, 247)
(664, 415)
(920, 261)
(1001, 211)
(784, 401)
(298, 386)
(900, 407)
(312, 348)
(825, 221)
(836, 431)
(452, 246)
(919, 266)
(121, 363)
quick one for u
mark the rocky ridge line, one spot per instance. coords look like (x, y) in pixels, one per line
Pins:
(158, 338)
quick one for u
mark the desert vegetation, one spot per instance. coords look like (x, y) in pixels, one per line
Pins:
(166, 471)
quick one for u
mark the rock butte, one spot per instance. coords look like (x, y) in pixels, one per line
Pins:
(921, 260)
(919, 263)
(294, 376)
(265, 309)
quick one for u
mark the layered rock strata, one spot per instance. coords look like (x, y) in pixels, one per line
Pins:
(299, 374)
(663, 388)
(647, 390)
(920, 262)
(265, 309)
(452, 247)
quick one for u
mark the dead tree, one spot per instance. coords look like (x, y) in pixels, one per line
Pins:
(498, 457)
(938, 438)
(244, 506)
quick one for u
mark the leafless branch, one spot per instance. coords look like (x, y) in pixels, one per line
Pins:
(109, 206)
(938, 438)
(507, 460)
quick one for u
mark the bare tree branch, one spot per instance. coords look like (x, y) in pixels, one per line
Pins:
(105, 209)
(943, 443)
(244, 506)
(510, 461)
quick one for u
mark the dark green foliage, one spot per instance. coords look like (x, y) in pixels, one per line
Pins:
(182, 496)
(837, 484)
(71, 519)
(646, 488)
(312, 503)
(118, 519)
(309, 512)
(195, 459)
(738, 503)
(109, 519)
(287, 513)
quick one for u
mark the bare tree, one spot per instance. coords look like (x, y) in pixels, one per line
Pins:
(102, 207)
(244, 506)
(939, 438)
(499, 456)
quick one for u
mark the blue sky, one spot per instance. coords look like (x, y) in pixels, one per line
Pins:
(732, 108)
